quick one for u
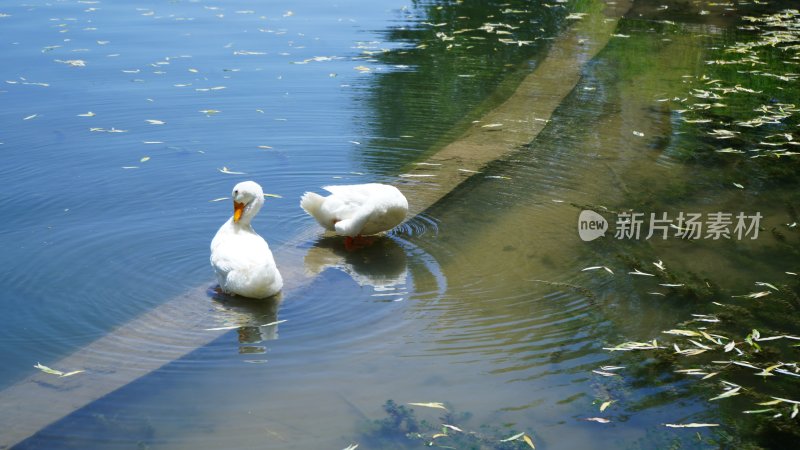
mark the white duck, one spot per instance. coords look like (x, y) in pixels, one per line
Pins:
(358, 209)
(240, 257)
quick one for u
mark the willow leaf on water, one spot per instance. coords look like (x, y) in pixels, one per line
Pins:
(690, 425)
(436, 405)
(597, 419)
(46, 369)
(59, 373)
(528, 441)
(513, 438)
(730, 393)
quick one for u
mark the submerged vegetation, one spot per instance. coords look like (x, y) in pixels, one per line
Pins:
(453, 61)
(722, 356)
(746, 104)
(402, 429)
(737, 353)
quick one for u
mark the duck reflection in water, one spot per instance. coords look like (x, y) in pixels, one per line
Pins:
(255, 321)
(382, 265)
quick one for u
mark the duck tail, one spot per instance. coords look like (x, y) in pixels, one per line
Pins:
(311, 202)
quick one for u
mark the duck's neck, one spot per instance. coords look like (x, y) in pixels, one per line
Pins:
(248, 214)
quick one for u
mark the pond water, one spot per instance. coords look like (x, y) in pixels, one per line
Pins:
(124, 123)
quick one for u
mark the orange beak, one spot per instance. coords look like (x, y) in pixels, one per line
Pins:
(238, 208)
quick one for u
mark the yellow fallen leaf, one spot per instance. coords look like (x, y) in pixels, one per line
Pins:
(46, 369)
(528, 441)
(606, 404)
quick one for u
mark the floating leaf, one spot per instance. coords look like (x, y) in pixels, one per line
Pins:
(629, 346)
(597, 419)
(606, 404)
(73, 62)
(230, 172)
(74, 372)
(639, 272)
(513, 438)
(761, 283)
(690, 425)
(155, 122)
(528, 441)
(145, 159)
(430, 405)
(598, 267)
(726, 394)
(759, 411)
(682, 332)
(575, 16)
(225, 328)
(46, 369)
(59, 373)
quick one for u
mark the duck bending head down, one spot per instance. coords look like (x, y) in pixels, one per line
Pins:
(357, 210)
(240, 257)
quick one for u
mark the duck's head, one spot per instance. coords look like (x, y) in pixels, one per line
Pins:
(248, 197)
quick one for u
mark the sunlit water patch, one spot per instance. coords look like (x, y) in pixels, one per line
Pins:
(128, 125)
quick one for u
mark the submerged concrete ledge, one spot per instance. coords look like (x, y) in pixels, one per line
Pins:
(180, 325)
(518, 120)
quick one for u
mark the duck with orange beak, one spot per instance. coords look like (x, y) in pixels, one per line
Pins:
(242, 259)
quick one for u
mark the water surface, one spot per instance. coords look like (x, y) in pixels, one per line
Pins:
(481, 302)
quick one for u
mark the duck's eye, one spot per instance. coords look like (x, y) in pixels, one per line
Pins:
(235, 192)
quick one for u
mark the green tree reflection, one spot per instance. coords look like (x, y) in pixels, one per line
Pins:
(451, 61)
